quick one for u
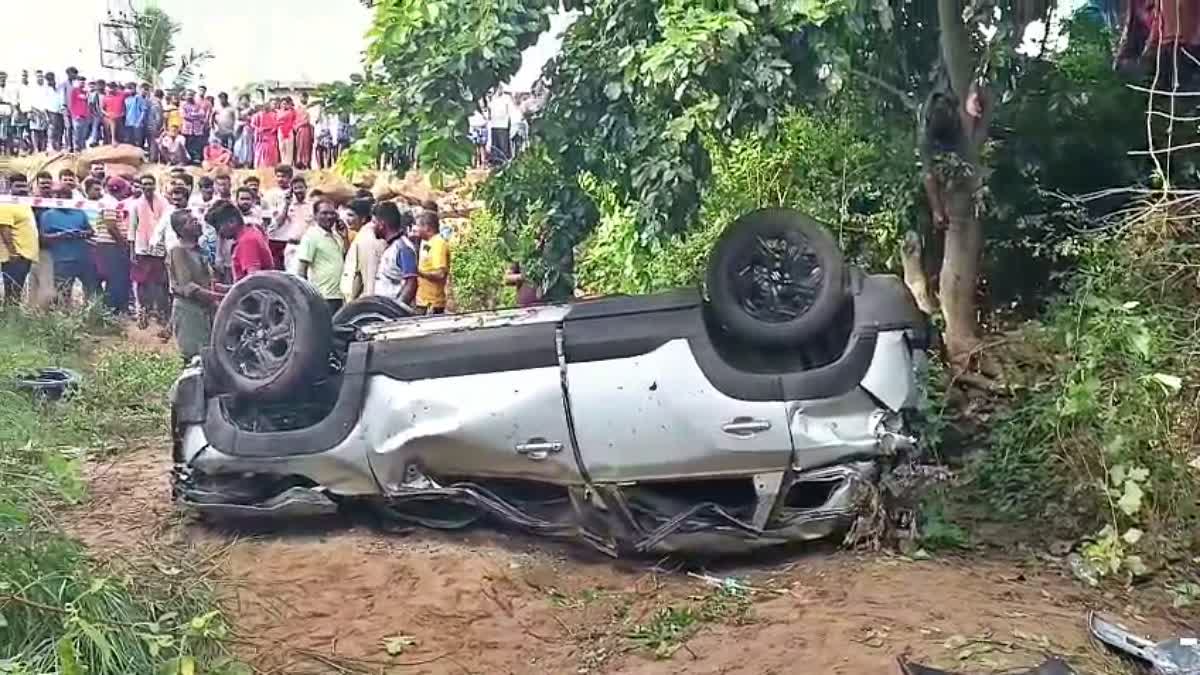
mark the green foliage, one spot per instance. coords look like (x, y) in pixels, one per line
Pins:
(1067, 130)
(816, 160)
(59, 611)
(124, 399)
(670, 627)
(1106, 429)
(825, 161)
(938, 531)
(931, 419)
(548, 213)
(481, 256)
(428, 65)
(637, 88)
(645, 97)
(666, 631)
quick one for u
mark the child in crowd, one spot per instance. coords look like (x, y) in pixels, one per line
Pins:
(172, 147)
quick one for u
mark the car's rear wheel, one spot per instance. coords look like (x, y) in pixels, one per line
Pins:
(368, 310)
(776, 278)
(352, 318)
(271, 335)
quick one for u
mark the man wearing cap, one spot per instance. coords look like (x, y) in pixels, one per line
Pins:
(113, 260)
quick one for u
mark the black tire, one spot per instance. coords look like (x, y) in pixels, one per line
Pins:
(271, 336)
(49, 384)
(370, 309)
(776, 278)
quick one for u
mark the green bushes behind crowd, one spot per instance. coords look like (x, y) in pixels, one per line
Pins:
(818, 164)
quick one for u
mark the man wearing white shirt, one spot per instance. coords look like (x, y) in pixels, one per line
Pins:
(9, 102)
(520, 130)
(34, 106)
(275, 206)
(164, 237)
(499, 121)
(204, 196)
(60, 122)
(272, 199)
(289, 224)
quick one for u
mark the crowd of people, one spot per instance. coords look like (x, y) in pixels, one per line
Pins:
(168, 253)
(189, 127)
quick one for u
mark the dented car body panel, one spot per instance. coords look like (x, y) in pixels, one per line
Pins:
(622, 423)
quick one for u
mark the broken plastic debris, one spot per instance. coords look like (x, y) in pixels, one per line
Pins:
(1083, 570)
(1051, 666)
(1177, 656)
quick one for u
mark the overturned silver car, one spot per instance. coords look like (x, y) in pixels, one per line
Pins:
(757, 412)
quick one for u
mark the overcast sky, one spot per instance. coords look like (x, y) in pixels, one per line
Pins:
(317, 40)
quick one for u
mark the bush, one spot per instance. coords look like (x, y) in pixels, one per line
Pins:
(816, 162)
(1105, 436)
(481, 256)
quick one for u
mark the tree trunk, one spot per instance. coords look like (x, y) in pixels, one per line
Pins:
(961, 260)
(915, 278)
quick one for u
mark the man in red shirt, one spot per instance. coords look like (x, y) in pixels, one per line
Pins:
(80, 114)
(114, 113)
(250, 251)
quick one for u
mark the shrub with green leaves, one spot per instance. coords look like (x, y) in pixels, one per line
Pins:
(1106, 430)
(817, 161)
(481, 255)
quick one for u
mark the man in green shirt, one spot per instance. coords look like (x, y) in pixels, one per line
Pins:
(321, 254)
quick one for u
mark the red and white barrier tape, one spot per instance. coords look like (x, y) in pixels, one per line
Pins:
(57, 203)
(92, 207)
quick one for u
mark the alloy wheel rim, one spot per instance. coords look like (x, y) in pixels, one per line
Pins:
(260, 334)
(779, 278)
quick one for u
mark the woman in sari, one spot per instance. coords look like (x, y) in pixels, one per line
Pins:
(243, 145)
(266, 132)
(304, 134)
(286, 119)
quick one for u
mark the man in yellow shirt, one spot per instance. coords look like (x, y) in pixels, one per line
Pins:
(433, 270)
(18, 246)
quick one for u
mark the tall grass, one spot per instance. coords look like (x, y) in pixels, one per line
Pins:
(60, 611)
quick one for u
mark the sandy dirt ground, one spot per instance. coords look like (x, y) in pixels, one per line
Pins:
(333, 598)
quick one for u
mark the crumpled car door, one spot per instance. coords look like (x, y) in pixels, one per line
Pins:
(476, 404)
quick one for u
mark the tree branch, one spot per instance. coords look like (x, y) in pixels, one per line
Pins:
(905, 98)
(956, 46)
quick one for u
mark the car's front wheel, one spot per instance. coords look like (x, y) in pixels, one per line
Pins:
(776, 278)
(271, 335)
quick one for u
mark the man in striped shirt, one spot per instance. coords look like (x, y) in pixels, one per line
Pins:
(112, 244)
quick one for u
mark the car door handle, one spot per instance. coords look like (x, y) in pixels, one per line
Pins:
(745, 426)
(538, 450)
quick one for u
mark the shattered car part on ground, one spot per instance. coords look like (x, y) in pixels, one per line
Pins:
(638, 425)
(1176, 656)
(1051, 666)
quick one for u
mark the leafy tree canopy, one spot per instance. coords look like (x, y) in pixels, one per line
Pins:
(643, 92)
(145, 44)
